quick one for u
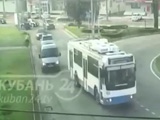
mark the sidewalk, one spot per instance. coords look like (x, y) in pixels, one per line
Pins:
(13, 48)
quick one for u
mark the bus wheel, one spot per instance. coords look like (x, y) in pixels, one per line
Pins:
(96, 95)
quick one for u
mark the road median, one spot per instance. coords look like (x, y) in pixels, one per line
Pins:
(112, 33)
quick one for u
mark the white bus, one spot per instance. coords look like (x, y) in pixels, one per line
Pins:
(103, 70)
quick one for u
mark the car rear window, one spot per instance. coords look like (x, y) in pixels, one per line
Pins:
(47, 38)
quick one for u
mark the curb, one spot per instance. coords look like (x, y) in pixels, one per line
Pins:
(70, 33)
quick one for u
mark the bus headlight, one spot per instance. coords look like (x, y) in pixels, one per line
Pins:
(57, 62)
(131, 96)
(43, 64)
(110, 100)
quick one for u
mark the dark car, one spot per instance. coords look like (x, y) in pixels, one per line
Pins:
(48, 24)
(40, 32)
(25, 26)
(2, 21)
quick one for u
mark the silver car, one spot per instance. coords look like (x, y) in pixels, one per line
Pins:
(50, 57)
(46, 39)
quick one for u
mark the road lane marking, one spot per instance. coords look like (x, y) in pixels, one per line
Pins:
(70, 34)
(153, 113)
(142, 106)
(151, 68)
(147, 109)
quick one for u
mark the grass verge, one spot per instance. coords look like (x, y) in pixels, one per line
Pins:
(15, 62)
(75, 30)
(11, 36)
(126, 33)
(16, 93)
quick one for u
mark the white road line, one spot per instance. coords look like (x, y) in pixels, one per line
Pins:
(151, 64)
(153, 113)
(147, 109)
(70, 34)
(142, 106)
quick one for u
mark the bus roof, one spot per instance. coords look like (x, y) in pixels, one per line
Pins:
(99, 48)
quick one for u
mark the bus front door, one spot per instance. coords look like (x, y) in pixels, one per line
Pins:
(85, 74)
(71, 63)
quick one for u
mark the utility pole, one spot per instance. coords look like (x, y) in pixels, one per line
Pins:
(17, 12)
(92, 19)
(4, 11)
(155, 12)
(107, 10)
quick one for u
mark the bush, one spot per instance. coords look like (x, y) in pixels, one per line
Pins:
(115, 27)
(64, 19)
(88, 30)
(72, 24)
(113, 33)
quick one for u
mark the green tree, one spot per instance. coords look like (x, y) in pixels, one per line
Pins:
(155, 4)
(77, 9)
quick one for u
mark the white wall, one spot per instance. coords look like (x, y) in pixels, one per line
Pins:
(113, 8)
(9, 6)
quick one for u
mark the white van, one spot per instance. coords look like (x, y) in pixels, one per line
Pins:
(50, 57)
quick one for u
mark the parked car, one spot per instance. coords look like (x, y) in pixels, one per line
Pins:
(40, 32)
(136, 17)
(2, 21)
(49, 24)
(46, 39)
(50, 57)
(33, 22)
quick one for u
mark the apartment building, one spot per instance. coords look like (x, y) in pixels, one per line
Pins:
(32, 5)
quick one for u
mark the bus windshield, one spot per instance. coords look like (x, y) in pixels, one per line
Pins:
(118, 79)
(50, 52)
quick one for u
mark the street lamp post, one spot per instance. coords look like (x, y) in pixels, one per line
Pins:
(92, 19)
(4, 12)
(107, 10)
(17, 12)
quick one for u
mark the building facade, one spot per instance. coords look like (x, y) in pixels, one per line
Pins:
(143, 7)
(32, 5)
(114, 6)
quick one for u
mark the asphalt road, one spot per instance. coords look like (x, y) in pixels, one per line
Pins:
(65, 98)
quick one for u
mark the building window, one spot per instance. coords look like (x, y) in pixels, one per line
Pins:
(93, 66)
(135, 5)
(78, 57)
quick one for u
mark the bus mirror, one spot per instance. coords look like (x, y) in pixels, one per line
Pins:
(39, 56)
(59, 54)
